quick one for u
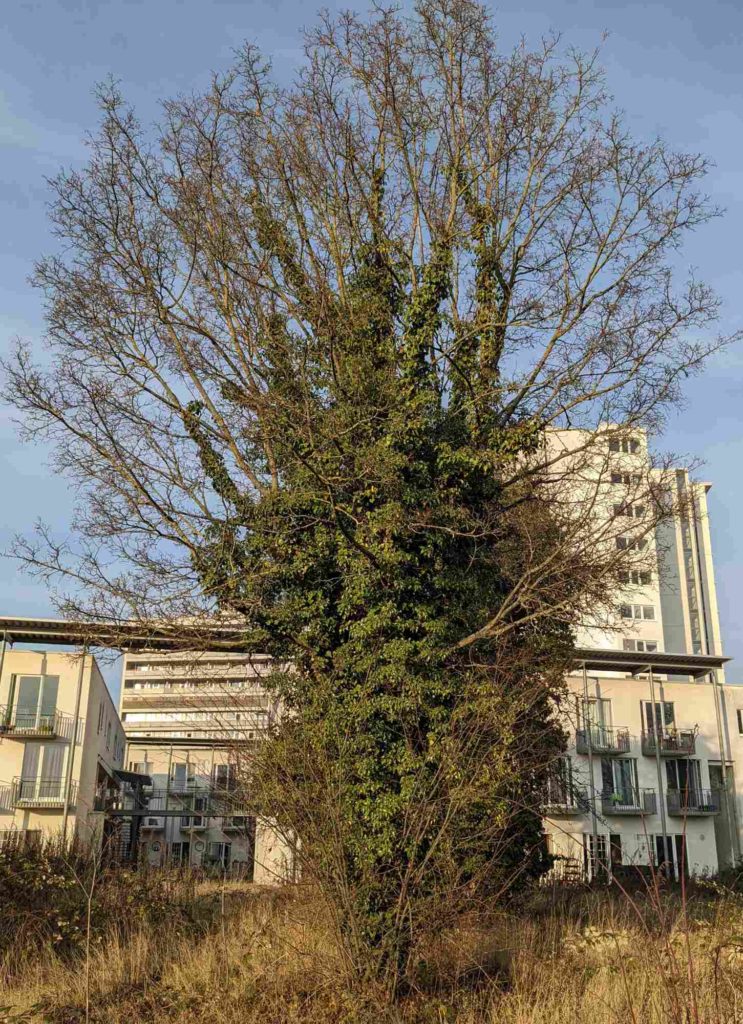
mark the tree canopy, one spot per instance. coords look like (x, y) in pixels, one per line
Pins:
(309, 348)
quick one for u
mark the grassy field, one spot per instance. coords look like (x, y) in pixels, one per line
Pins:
(241, 954)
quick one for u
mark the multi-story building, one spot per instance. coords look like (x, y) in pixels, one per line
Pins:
(650, 773)
(61, 743)
(191, 721)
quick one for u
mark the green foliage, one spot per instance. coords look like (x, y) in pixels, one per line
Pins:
(44, 897)
(365, 569)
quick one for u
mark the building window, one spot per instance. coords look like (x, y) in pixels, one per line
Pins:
(639, 578)
(100, 716)
(740, 721)
(637, 611)
(663, 718)
(629, 447)
(627, 509)
(181, 776)
(643, 646)
(631, 543)
(625, 478)
(225, 776)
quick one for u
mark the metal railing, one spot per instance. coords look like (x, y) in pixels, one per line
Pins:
(236, 823)
(681, 802)
(602, 741)
(629, 801)
(188, 799)
(563, 797)
(15, 724)
(41, 792)
(670, 742)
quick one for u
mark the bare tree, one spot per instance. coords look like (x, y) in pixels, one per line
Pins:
(314, 354)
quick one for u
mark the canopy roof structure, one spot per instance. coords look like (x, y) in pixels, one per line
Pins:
(127, 636)
(230, 638)
(696, 665)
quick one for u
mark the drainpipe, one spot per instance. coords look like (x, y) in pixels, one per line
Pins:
(589, 744)
(658, 765)
(73, 741)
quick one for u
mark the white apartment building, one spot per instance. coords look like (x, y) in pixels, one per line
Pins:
(61, 743)
(652, 774)
(191, 720)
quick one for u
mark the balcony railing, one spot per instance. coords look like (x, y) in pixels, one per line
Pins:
(236, 823)
(602, 741)
(669, 743)
(562, 798)
(22, 725)
(41, 792)
(629, 801)
(683, 802)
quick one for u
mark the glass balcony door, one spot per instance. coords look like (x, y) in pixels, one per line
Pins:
(684, 776)
(42, 774)
(658, 718)
(619, 781)
(597, 717)
(36, 702)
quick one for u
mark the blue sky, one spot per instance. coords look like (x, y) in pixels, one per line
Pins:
(675, 68)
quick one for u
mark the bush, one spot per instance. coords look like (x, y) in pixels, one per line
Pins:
(51, 892)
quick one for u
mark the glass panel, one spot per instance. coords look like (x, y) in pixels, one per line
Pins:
(625, 780)
(31, 760)
(665, 716)
(27, 702)
(49, 692)
(53, 761)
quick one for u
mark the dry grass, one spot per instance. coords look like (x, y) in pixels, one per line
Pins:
(271, 957)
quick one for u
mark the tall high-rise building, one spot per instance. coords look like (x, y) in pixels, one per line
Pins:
(652, 770)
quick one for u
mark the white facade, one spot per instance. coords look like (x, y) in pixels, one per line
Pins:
(191, 721)
(60, 743)
(639, 785)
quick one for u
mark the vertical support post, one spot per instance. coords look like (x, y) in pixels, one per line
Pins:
(659, 765)
(9, 709)
(730, 815)
(73, 744)
(592, 783)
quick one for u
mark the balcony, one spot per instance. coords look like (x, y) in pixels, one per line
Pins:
(669, 743)
(236, 823)
(629, 802)
(30, 725)
(683, 803)
(41, 793)
(602, 741)
(563, 800)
